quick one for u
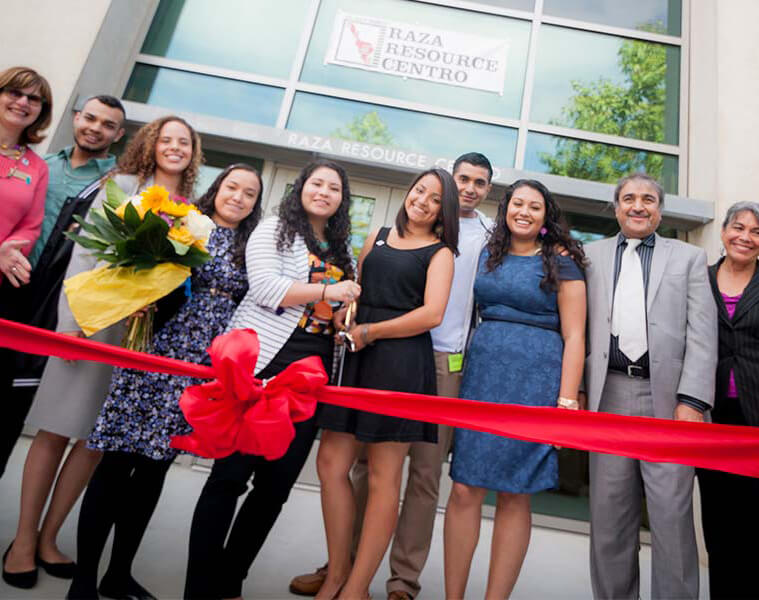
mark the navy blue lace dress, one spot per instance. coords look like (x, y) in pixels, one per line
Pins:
(515, 358)
(141, 412)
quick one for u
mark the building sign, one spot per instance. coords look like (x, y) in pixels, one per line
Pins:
(419, 52)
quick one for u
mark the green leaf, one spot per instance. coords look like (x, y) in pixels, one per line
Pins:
(89, 243)
(193, 258)
(89, 228)
(117, 223)
(179, 248)
(114, 195)
(107, 231)
(132, 217)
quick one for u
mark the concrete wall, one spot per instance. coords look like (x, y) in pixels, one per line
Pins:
(82, 47)
(724, 116)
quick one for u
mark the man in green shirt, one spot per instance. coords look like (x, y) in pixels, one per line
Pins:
(96, 126)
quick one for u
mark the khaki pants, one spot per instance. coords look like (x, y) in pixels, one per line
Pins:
(413, 534)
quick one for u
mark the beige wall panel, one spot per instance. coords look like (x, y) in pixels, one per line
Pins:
(53, 37)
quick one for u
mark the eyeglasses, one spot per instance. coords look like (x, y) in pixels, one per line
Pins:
(16, 94)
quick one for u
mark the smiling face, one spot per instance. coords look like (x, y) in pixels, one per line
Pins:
(473, 185)
(236, 198)
(740, 237)
(638, 210)
(526, 213)
(97, 126)
(173, 150)
(322, 194)
(17, 112)
(423, 201)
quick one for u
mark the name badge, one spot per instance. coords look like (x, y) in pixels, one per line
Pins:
(455, 362)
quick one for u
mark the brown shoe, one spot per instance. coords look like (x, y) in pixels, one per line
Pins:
(309, 584)
(399, 595)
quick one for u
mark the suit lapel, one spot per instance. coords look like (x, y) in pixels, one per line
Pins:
(607, 270)
(721, 310)
(749, 297)
(662, 250)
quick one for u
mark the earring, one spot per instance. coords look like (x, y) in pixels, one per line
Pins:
(543, 231)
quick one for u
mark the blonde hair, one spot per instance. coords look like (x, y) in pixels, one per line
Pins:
(139, 156)
(21, 78)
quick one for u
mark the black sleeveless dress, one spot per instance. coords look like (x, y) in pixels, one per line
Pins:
(392, 282)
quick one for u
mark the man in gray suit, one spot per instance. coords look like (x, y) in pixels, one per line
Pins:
(652, 352)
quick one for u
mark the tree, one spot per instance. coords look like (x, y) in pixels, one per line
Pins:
(634, 108)
(369, 128)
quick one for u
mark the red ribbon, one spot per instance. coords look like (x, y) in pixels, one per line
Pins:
(237, 412)
(723, 447)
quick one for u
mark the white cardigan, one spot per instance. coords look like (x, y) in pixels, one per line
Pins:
(270, 275)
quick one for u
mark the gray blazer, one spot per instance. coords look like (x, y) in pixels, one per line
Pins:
(682, 323)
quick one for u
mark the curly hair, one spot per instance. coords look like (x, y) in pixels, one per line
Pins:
(21, 78)
(139, 156)
(207, 204)
(294, 220)
(556, 236)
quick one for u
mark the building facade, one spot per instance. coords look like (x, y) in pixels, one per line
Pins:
(575, 93)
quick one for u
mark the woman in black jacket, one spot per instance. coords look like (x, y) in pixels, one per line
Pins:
(729, 502)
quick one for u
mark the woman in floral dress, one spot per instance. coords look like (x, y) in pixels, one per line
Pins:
(141, 412)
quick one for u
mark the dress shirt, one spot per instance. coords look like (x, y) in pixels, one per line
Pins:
(617, 359)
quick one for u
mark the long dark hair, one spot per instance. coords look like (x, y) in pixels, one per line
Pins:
(447, 225)
(293, 220)
(207, 205)
(557, 234)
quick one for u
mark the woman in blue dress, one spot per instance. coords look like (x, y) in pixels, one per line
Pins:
(141, 412)
(529, 350)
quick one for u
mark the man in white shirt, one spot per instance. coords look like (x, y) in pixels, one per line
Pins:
(413, 534)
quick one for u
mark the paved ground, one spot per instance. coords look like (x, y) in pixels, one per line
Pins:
(556, 565)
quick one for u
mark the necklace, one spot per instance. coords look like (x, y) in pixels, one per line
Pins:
(15, 152)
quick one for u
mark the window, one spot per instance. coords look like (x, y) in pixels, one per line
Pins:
(182, 90)
(595, 161)
(403, 129)
(514, 31)
(607, 84)
(255, 37)
(662, 16)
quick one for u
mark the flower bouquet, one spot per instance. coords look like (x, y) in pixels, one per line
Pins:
(150, 243)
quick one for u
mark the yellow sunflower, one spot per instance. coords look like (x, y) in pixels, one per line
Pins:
(176, 209)
(153, 198)
(181, 235)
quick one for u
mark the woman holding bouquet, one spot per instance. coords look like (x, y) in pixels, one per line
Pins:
(300, 269)
(406, 275)
(141, 412)
(166, 152)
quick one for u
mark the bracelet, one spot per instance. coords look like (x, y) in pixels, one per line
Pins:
(568, 402)
(365, 334)
(324, 290)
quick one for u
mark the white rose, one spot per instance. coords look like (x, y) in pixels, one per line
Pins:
(199, 225)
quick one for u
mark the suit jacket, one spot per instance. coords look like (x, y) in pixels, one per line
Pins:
(682, 323)
(739, 345)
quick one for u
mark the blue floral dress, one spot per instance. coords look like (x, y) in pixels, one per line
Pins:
(515, 358)
(141, 412)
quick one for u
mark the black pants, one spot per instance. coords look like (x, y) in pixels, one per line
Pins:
(731, 524)
(216, 570)
(15, 402)
(123, 492)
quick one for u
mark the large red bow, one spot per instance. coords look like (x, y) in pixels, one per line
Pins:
(237, 412)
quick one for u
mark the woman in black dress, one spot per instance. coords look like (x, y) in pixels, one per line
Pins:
(405, 274)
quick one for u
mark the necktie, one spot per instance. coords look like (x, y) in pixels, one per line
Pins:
(628, 320)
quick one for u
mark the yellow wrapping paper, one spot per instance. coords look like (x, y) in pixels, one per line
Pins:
(103, 296)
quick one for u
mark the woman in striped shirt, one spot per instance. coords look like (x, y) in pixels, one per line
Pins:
(300, 270)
